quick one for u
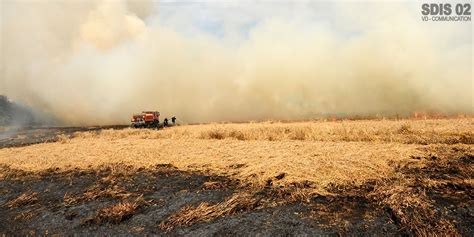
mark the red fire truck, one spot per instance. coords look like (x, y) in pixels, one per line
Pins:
(147, 119)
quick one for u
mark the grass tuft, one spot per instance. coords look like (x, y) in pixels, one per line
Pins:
(24, 199)
(206, 212)
(114, 214)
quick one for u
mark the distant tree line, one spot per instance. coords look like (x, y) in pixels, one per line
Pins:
(13, 114)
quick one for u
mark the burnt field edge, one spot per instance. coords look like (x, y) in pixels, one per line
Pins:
(117, 198)
(30, 135)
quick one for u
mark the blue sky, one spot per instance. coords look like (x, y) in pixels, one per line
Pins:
(234, 18)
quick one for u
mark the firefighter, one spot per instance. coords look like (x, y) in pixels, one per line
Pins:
(173, 120)
(165, 122)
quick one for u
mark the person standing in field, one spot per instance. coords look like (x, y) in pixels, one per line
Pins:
(173, 120)
(165, 122)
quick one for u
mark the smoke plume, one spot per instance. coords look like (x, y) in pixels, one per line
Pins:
(97, 62)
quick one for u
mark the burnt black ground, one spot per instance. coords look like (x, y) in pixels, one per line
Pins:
(454, 197)
(28, 135)
(166, 190)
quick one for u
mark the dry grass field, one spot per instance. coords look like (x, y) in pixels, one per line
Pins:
(412, 176)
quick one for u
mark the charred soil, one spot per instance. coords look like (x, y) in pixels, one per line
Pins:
(120, 199)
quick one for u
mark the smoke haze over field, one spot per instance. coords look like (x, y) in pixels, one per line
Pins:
(97, 62)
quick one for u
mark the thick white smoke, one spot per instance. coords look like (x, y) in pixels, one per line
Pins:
(97, 62)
